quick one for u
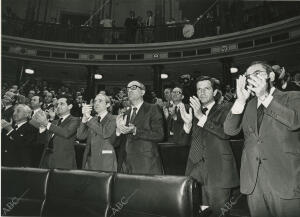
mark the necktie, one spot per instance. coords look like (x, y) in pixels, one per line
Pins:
(50, 144)
(133, 115)
(99, 119)
(204, 110)
(260, 115)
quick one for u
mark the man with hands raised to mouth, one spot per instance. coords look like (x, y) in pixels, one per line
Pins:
(211, 161)
(140, 128)
(99, 153)
(270, 165)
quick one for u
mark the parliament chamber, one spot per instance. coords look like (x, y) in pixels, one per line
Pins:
(130, 108)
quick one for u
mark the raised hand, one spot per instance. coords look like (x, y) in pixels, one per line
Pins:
(41, 118)
(86, 111)
(258, 85)
(241, 92)
(187, 117)
(121, 120)
(196, 105)
(6, 125)
(166, 112)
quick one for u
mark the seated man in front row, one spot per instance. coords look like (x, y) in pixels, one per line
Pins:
(100, 132)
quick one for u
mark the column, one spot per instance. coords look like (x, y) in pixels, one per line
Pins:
(90, 83)
(157, 82)
(226, 75)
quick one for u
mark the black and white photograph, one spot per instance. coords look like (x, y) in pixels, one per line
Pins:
(150, 108)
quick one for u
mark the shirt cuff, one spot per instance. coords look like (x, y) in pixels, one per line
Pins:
(202, 121)
(187, 128)
(85, 121)
(267, 101)
(134, 131)
(118, 133)
(237, 108)
(48, 126)
(9, 132)
(42, 129)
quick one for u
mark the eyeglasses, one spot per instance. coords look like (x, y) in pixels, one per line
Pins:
(133, 87)
(255, 73)
(177, 92)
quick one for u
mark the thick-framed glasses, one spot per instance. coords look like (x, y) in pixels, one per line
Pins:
(177, 92)
(206, 89)
(257, 72)
(133, 87)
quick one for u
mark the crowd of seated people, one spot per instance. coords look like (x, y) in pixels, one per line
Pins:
(40, 125)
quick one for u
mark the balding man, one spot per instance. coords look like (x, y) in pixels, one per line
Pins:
(19, 141)
(100, 133)
(141, 126)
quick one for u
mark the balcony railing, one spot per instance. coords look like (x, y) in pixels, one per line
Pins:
(119, 35)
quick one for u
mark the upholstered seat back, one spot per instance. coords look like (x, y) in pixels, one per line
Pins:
(23, 191)
(77, 193)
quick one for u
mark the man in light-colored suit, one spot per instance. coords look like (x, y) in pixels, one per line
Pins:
(60, 152)
(100, 132)
(140, 129)
(270, 165)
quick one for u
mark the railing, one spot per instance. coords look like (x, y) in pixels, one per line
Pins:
(116, 35)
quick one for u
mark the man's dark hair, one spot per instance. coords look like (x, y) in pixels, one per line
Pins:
(68, 98)
(268, 69)
(207, 78)
(264, 64)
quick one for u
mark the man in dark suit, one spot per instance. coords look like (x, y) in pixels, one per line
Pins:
(210, 160)
(7, 107)
(131, 27)
(77, 107)
(100, 132)
(270, 166)
(175, 123)
(19, 141)
(59, 153)
(48, 102)
(141, 128)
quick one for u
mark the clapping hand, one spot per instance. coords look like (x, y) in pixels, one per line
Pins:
(258, 85)
(51, 113)
(187, 117)
(6, 125)
(121, 125)
(196, 105)
(41, 118)
(242, 93)
(86, 111)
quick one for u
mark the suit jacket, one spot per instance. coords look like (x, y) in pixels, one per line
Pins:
(99, 152)
(7, 114)
(179, 136)
(63, 155)
(20, 145)
(275, 147)
(141, 148)
(216, 154)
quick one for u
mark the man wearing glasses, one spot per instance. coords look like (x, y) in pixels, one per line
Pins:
(211, 161)
(140, 128)
(270, 167)
(176, 133)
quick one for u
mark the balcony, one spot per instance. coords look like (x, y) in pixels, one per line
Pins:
(277, 35)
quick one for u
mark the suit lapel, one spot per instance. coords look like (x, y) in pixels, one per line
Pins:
(139, 114)
(213, 110)
(65, 121)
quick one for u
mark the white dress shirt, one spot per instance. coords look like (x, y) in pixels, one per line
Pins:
(238, 107)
